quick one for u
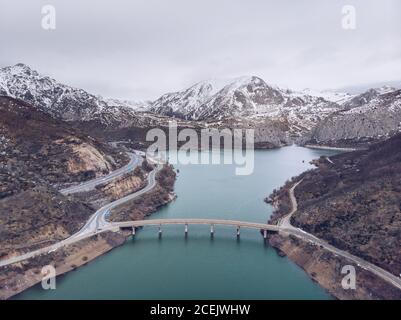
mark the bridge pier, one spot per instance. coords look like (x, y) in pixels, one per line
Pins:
(131, 226)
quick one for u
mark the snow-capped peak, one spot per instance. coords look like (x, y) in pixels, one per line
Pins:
(384, 89)
(57, 99)
(134, 105)
(329, 95)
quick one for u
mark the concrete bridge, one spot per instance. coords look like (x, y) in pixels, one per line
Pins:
(265, 228)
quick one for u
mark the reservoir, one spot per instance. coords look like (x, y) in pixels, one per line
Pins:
(198, 267)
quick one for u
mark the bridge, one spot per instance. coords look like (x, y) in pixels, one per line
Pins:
(133, 225)
(97, 224)
(265, 228)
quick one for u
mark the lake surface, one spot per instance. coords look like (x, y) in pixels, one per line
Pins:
(198, 267)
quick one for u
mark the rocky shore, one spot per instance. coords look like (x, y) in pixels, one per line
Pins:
(353, 203)
(18, 277)
(325, 268)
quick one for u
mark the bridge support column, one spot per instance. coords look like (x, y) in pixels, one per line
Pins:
(160, 230)
(265, 234)
(133, 231)
(186, 229)
(238, 231)
(212, 230)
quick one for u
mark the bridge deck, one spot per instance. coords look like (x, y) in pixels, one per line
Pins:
(234, 223)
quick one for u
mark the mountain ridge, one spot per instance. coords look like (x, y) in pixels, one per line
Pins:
(304, 116)
(59, 100)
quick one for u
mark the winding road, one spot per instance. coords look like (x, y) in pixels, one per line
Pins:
(97, 223)
(287, 228)
(135, 160)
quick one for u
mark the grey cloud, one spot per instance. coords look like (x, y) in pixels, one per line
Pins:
(142, 49)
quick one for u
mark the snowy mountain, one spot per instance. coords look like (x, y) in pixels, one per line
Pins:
(246, 97)
(372, 115)
(278, 115)
(367, 96)
(329, 95)
(286, 114)
(111, 119)
(184, 104)
(134, 105)
(59, 100)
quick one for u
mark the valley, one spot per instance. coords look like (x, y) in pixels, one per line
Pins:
(64, 178)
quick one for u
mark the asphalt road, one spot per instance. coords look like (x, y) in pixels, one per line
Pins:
(97, 222)
(135, 160)
(233, 223)
(287, 228)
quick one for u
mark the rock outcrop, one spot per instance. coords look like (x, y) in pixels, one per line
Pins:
(371, 116)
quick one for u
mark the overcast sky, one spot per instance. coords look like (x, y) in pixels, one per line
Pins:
(141, 49)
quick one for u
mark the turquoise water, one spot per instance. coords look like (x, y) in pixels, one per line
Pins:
(198, 267)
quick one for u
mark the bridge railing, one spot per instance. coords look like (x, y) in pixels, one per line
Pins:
(264, 228)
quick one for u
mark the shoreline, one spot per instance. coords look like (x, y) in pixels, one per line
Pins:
(315, 261)
(89, 250)
(321, 265)
(324, 268)
(20, 276)
(323, 147)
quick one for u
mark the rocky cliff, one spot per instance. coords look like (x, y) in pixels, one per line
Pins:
(374, 115)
